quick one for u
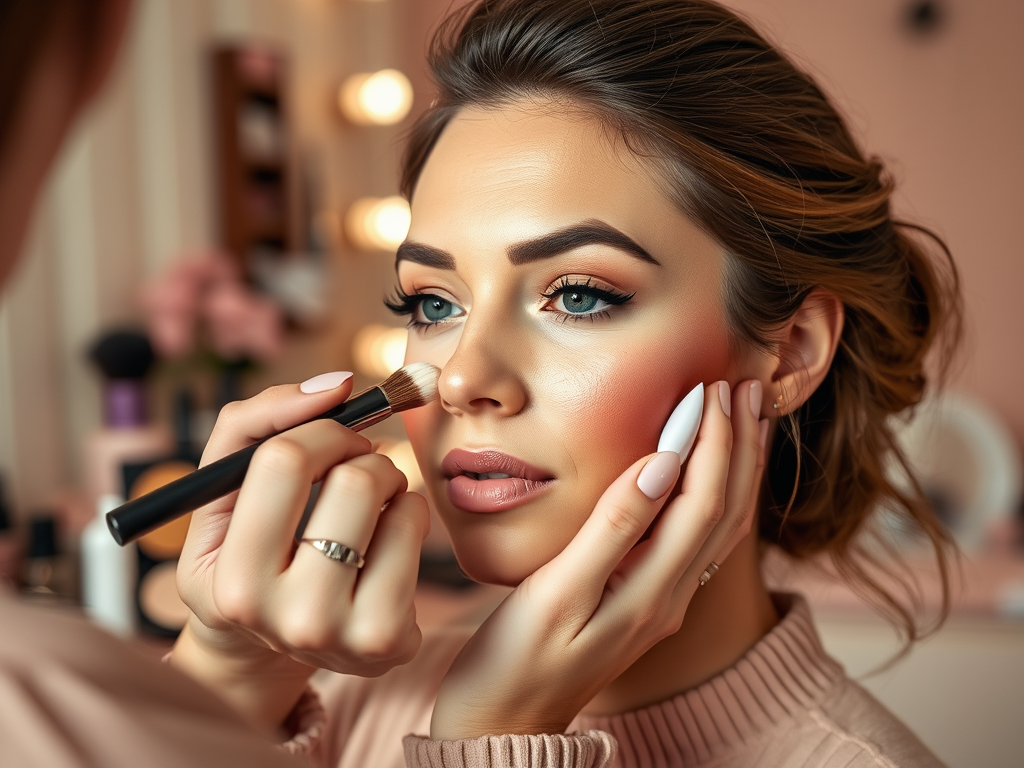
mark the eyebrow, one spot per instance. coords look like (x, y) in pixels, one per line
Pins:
(591, 232)
(427, 255)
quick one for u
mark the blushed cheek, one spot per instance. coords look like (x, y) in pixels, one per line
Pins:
(613, 412)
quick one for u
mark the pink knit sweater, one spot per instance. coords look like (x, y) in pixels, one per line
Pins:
(72, 696)
(785, 704)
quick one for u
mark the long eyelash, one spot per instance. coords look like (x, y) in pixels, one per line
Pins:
(565, 284)
(590, 317)
(402, 303)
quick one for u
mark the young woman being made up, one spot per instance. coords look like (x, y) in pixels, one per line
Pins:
(612, 203)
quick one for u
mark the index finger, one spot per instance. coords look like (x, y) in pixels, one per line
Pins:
(619, 519)
(243, 422)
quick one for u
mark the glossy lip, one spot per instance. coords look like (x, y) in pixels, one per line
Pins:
(524, 483)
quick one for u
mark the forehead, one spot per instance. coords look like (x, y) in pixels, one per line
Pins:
(521, 170)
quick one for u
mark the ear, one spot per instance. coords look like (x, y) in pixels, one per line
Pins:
(806, 344)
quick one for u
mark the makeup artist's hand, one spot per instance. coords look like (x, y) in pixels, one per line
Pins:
(267, 612)
(581, 620)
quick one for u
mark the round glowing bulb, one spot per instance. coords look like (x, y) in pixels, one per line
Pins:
(390, 220)
(391, 349)
(378, 223)
(376, 98)
(378, 350)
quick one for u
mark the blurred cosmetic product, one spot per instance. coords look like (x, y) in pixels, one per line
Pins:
(968, 465)
(109, 573)
(11, 544)
(376, 98)
(260, 130)
(127, 436)
(42, 557)
(378, 224)
(160, 610)
(297, 282)
(378, 350)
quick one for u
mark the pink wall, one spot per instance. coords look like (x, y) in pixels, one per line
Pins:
(946, 112)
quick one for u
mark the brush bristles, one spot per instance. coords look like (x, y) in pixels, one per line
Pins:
(411, 386)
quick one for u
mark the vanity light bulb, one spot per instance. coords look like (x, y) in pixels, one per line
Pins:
(378, 223)
(379, 351)
(376, 98)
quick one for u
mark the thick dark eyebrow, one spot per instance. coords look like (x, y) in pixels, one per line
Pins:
(592, 232)
(426, 255)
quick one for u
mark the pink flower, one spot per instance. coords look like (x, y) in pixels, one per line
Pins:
(203, 296)
(242, 323)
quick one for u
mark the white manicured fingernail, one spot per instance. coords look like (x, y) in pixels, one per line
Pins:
(681, 428)
(324, 382)
(658, 475)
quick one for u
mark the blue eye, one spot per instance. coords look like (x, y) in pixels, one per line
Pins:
(434, 308)
(424, 309)
(579, 300)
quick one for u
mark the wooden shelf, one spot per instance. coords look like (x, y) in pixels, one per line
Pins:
(254, 175)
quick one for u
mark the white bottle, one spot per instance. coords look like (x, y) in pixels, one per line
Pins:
(109, 573)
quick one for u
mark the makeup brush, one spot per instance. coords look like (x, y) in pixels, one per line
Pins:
(409, 387)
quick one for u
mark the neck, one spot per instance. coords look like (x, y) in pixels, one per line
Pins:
(725, 618)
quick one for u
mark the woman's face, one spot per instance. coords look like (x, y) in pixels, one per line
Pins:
(569, 306)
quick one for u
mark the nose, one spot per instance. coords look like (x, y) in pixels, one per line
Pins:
(484, 375)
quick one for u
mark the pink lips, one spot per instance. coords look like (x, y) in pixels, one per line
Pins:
(472, 493)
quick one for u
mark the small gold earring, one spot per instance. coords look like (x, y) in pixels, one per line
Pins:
(777, 403)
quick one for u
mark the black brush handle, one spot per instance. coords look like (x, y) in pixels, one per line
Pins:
(139, 516)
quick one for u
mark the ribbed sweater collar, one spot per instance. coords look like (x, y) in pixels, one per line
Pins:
(786, 673)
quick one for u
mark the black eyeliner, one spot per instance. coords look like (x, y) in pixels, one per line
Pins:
(564, 286)
(402, 303)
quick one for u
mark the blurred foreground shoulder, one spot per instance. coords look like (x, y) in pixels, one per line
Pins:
(72, 695)
(860, 726)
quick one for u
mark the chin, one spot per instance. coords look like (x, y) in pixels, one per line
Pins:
(484, 571)
(498, 557)
(504, 548)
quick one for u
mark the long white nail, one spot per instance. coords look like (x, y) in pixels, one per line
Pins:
(680, 430)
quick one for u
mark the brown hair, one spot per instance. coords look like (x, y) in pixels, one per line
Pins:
(91, 29)
(755, 154)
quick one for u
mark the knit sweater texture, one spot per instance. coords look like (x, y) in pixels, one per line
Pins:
(784, 704)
